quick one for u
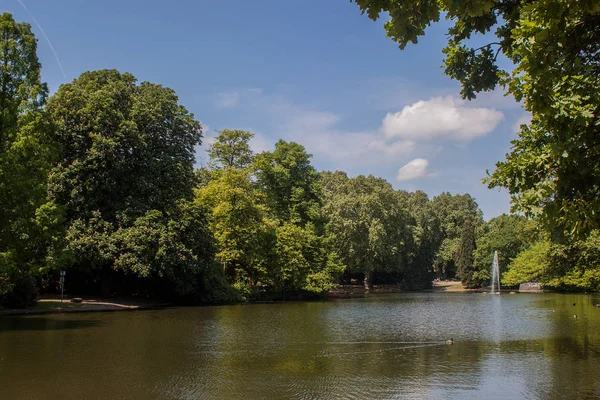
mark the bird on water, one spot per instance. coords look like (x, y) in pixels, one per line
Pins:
(449, 341)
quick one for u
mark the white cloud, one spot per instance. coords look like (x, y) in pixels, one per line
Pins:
(260, 143)
(318, 132)
(415, 169)
(440, 119)
(525, 118)
(398, 148)
(228, 99)
(322, 134)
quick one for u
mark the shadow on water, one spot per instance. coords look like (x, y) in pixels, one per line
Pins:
(12, 324)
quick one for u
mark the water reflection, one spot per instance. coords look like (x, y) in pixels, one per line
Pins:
(379, 347)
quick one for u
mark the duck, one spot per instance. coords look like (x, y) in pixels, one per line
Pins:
(449, 341)
(575, 316)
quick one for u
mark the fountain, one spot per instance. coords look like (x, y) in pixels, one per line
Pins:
(495, 274)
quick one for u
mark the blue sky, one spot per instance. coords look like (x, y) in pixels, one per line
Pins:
(312, 71)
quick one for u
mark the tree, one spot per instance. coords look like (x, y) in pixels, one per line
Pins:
(304, 257)
(371, 231)
(127, 148)
(530, 265)
(466, 252)
(172, 251)
(427, 237)
(231, 149)
(126, 169)
(452, 211)
(291, 183)
(552, 171)
(570, 266)
(575, 265)
(507, 234)
(304, 260)
(21, 89)
(238, 219)
(27, 222)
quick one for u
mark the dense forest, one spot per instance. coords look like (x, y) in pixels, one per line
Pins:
(99, 180)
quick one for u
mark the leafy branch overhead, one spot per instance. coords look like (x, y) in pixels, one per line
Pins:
(553, 170)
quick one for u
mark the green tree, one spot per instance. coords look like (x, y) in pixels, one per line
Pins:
(530, 265)
(575, 265)
(466, 253)
(552, 171)
(126, 168)
(452, 211)
(304, 257)
(127, 148)
(28, 222)
(238, 219)
(428, 238)
(173, 250)
(291, 183)
(507, 234)
(371, 231)
(231, 149)
(304, 260)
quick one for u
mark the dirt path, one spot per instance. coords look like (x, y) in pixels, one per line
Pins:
(450, 286)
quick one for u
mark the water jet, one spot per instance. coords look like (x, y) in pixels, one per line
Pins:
(495, 274)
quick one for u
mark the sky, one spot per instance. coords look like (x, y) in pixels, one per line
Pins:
(315, 72)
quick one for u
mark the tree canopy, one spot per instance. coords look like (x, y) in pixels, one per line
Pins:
(27, 152)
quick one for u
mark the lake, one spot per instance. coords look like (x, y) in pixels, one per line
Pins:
(379, 347)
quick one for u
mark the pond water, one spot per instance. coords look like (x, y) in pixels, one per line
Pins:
(379, 347)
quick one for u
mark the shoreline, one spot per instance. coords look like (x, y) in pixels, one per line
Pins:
(53, 305)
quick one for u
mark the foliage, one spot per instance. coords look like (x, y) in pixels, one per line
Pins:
(530, 265)
(21, 89)
(175, 247)
(303, 262)
(125, 181)
(552, 171)
(231, 149)
(507, 234)
(239, 222)
(127, 148)
(453, 211)
(427, 238)
(290, 182)
(27, 153)
(370, 225)
(576, 266)
(573, 266)
(466, 252)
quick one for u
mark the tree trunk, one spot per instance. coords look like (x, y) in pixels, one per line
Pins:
(368, 280)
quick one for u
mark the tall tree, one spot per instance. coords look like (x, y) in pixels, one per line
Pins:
(506, 234)
(239, 221)
(428, 236)
(21, 88)
(304, 257)
(290, 182)
(27, 222)
(126, 166)
(231, 148)
(554, 46)
(127, 148)
(466, 254)
(452, 211)
(371, 231)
